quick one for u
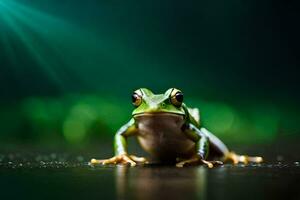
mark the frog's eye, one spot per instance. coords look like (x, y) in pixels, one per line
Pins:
(176, 98)
(136, 99)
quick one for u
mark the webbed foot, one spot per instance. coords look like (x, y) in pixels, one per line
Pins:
(235, 158)
(198, 160)
(120, 159)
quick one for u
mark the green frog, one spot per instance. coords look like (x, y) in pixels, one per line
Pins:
(170, 132)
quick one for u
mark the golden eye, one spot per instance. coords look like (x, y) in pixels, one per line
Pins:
(176, 97)
(136, 99)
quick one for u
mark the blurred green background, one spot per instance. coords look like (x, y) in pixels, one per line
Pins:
(68, 67)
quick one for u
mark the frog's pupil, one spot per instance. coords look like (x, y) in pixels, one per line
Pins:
(179, 97)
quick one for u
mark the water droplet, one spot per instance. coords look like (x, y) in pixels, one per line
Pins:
(80, 158)
(53, 155)
(279, 158)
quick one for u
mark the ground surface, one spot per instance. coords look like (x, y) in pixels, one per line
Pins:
(31, 175)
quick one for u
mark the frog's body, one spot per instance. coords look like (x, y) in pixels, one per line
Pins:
(161, 135)
(168, 130)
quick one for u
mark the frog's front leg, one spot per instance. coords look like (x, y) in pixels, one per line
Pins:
(120, 148)
(202, 146)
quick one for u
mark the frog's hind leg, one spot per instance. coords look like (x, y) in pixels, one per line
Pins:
(235, 158)
(220, 149)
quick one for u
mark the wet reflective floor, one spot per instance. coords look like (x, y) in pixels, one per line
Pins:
(52, 176)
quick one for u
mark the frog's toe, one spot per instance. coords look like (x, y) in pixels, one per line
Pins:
(95, 162)
(207, 163)
(231, 156)
(254, 159)
(235, 158)
(113, 160)
(198, 160)
(190, 161)
(124, 159)
(138, 159)
(217, 162)
(119, 159)
(211, 164)
(180, 164)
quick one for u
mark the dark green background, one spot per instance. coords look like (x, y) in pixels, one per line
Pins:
(68, 67)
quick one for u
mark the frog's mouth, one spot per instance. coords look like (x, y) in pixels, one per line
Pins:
(158, 114)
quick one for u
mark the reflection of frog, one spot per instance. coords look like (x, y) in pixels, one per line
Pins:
(148, 183)
(170, 131)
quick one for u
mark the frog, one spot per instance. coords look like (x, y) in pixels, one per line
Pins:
(170, 132)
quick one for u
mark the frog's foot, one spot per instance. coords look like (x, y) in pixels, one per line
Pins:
(142, 160)
(235, 158)
(198, 160)
(120, 159)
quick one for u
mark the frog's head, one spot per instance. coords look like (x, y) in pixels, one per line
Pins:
(146, 102)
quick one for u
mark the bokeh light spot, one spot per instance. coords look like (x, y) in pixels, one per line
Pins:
(219, 117)
(74, 130)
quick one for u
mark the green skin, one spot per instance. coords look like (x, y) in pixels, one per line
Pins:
(169, 131)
